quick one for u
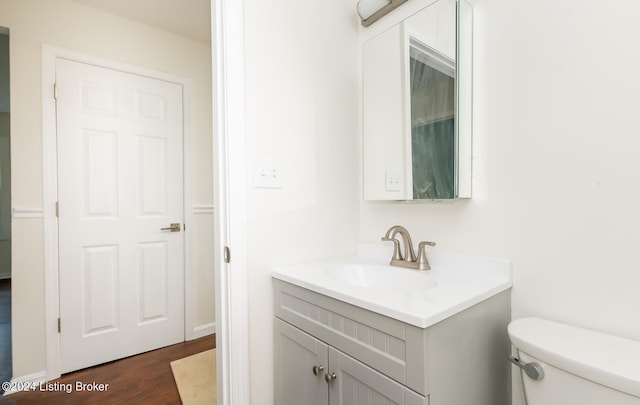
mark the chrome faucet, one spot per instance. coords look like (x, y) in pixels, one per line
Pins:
(409, 258)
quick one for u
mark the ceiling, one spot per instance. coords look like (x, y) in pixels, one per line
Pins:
(189, 18)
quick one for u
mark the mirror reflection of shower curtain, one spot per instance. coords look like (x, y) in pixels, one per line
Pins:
(432, 127)
(432, 160)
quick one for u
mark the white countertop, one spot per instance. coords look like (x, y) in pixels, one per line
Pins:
(420, 298)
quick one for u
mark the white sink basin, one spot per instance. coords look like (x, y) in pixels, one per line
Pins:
(418, 297)
(377, 277)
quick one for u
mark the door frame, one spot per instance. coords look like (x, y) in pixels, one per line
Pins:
(230, 193)
(50, 195)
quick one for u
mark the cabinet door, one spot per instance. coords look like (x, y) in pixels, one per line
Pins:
(296, 355)
(358, 384)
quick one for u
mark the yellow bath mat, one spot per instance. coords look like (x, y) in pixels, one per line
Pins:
(196, 378)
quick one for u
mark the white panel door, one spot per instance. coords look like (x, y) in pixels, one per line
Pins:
(120, 181)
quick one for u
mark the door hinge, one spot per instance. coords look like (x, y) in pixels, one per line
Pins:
(227, 254)
(59, 325)
(55, 91)
(57, 209)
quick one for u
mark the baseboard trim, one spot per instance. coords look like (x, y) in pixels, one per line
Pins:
(28, 382)
(204, 330)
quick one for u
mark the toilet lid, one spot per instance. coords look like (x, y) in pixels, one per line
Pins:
(605, 359)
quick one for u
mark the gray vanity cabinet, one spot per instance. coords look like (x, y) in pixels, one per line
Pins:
(296, 355)
(380, 360)
(357, 384)
(302, 364)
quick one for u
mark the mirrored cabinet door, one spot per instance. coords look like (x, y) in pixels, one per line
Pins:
(412, 93)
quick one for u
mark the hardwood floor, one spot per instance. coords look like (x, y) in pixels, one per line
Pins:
(142, 379)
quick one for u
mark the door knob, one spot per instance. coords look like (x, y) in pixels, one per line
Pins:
(175, 227)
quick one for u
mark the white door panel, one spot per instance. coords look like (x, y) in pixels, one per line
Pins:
(120, 180)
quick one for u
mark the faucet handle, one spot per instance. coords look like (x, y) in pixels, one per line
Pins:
(423, 263)
(396, 247)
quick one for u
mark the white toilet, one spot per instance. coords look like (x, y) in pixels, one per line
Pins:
(565, 365)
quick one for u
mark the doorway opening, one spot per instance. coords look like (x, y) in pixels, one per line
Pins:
(5, 212)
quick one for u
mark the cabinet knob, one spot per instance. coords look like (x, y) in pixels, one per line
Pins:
(318, 369)
(329, 378)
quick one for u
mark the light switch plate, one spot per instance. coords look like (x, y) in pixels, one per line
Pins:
(392, 180)
(267, 173)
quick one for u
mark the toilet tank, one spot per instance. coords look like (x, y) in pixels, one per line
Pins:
(581, 367)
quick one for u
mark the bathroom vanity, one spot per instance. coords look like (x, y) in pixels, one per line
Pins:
(357, 331)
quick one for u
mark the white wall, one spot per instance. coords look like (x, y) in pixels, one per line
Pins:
(69, 25)
(555, 161)
(301, 110)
